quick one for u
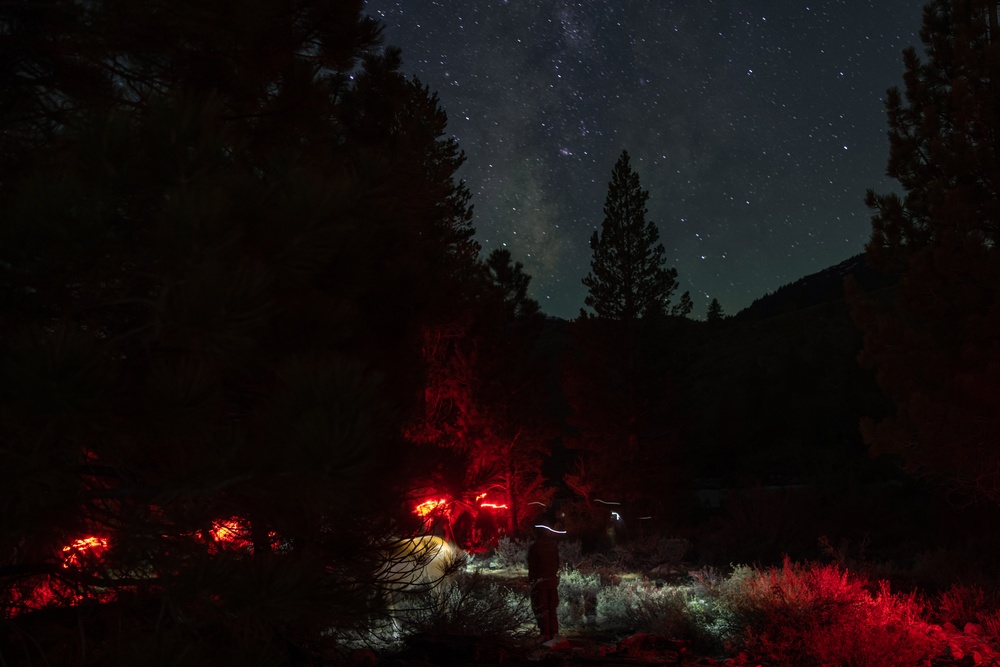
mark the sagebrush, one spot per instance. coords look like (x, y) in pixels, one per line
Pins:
(815, 614)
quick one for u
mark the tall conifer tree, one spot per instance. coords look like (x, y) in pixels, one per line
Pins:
(628, 279)
(488, 399)
(617, 377)
(221, 234)
(714, 313)
(934, 348)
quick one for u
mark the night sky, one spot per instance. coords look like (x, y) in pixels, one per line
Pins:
(755, 126)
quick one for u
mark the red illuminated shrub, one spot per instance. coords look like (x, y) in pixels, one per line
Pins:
(77, 580)
(84, 575)
(84, 551)
(822, 615)
(34, 593)
(961, 605)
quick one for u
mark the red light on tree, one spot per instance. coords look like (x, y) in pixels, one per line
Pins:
(235, 533)
(50, 590)
(428, 506)
(84, 548)
(489, 505)
(229, 531)
(496, 506)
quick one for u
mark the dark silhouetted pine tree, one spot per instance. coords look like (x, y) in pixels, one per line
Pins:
(617, 378)
(489, 397)
(934, 347)
(510, 279)
(514, 422)
(683, 307)
(221, 235)
(628, 278)
(714, 313)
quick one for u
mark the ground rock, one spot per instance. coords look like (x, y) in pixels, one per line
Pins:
(955, 651)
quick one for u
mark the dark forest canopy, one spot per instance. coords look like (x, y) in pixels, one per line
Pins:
(222, 235)
(934, 347)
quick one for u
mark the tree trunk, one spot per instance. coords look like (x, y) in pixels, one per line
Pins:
(259, 537)
(512, 505)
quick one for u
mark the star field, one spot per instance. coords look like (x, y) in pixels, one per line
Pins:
(756, 127)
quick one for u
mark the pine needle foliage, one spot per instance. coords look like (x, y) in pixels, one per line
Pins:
(222, 230)
(628, 279)
(933, 345)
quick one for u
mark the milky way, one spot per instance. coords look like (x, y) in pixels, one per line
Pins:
(755, 126)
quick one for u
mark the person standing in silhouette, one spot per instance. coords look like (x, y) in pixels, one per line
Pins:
(543, 579)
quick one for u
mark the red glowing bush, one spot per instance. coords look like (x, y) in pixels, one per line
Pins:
(82, 574)
(965, 604)
(816, 614)
(469, 519)
(430, 506)
(80, 559)
(84, 551)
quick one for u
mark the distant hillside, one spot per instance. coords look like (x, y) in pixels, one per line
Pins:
(815, 289)
(777, 389)
(774, 391)
(764, 416)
